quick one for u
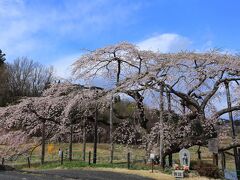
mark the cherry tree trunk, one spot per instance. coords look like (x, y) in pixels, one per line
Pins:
(199, 153)
(118, 69)
(71, 142)
(43, 142)
(170, 160)
(140, 105)
(142, 117)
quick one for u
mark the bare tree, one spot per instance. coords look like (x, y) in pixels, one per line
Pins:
(28, 78)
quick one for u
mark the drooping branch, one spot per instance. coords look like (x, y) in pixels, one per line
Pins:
(226, 110)
(189, 101)
(42, 118)
(231, 146)
(202, 80)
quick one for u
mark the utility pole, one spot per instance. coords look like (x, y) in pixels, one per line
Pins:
(71, 142)
(84, 139)
(95, 132)
(169, 119)
(237, 163)
(111, 129)
(161, 108)
(43, 142)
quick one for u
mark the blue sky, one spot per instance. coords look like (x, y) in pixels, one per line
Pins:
(55, 31)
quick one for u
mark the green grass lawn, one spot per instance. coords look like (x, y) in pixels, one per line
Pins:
(103, 153)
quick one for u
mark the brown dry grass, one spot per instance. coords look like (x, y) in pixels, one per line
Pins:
(144, 173)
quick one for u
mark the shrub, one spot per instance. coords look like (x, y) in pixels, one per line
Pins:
(207, 169)
(6, 168)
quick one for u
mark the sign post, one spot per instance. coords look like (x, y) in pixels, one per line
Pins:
(152, 157)
(213, 147)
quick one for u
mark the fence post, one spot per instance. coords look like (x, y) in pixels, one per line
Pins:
(61, 157)
(89, 158)
(3, 161)
(28, 160)
(128, 160)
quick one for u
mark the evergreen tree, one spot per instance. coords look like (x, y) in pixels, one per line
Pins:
(2, 57)
(2, 78)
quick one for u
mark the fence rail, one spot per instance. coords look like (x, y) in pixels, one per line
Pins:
(102, 158)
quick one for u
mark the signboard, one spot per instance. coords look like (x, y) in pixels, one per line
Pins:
(152, 156)
(213, 145)
(184, 157)
(51, 148)
(231, 175)
(178, 173)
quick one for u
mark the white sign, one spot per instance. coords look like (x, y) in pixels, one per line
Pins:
(152, 156)
(184, 157)
(178, 173)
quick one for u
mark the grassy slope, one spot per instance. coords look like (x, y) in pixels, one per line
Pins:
(103, 163)
(120, 154)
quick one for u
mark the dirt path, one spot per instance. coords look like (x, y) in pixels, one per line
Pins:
(143, 173)
(68, 175)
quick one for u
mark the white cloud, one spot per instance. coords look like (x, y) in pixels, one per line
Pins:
(62, 66)
(10, 8)
(163, 43)
(168, 42)
(28, 28)
(17, 28)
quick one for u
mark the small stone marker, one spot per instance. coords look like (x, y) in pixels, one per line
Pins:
(152, 157)
(184, 157)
